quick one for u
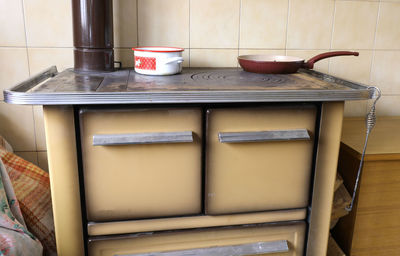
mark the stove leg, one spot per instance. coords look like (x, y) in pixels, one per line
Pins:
(64, 180)
(325, 175)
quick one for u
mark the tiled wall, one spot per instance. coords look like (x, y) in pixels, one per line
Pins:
(35, 34)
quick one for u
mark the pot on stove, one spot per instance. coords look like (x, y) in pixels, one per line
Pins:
(158, 60)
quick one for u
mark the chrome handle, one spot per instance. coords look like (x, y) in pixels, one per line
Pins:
(262, 136)
(230, 250)
(142, 138)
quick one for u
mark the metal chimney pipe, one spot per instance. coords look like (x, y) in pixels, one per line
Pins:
(93, 35)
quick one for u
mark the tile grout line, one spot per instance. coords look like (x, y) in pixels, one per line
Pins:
(40, 47)
(287, 27)
(275, 49)
(26, 36)
(373, 51)
(29, 73)
(16, 152)
(137, 23)
(333, 30)
(34, 130)
(240, 23)
(371, 1)
(189, 31)
(294, 49)
(374, 45)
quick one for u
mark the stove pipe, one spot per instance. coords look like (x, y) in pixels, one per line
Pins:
(93, 35)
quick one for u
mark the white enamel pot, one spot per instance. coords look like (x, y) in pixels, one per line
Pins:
(158, 61)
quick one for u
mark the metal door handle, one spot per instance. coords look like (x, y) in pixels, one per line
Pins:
(142, 138)
(230, 250)
(263, 136)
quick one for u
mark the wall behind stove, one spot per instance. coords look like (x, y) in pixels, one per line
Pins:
(35, 34)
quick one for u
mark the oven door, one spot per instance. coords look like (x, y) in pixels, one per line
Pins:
(260, 158)
(141, 163)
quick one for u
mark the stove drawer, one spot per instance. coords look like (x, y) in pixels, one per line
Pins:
(278, 239)
(141, 163)
(259, 158)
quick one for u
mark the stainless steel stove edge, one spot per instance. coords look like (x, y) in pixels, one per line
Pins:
(20, 94)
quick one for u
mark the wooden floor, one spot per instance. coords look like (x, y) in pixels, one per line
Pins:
(373, 227)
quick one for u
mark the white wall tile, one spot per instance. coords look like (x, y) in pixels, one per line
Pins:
(354, 68)
(388, 31)
(310, 24)
(163, 23)
(42, 58)
(186, 58)
(213, 58)
(125, 23)
(263, 23)
(17, 126)
(388, 106)
(363, 0)
(386, 71)
(39, 128)
(261, 52)
(125, 56)
(29, 156)
(12, 31)
(42, 161)
(353, 108)
(13, 67)
(354, 26)
(214, 23)
(48, 23)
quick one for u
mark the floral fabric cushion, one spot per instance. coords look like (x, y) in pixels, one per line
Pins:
(15, 239)
(32, 188)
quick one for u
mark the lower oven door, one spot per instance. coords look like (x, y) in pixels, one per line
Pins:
(275, 239)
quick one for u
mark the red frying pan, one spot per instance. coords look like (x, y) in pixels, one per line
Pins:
(275, 64)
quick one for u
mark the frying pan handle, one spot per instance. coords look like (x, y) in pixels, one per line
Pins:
(310, 63)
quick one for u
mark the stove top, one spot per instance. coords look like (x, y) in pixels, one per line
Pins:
(188, 80)
(193, 85)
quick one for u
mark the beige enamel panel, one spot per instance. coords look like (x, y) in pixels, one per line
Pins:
(148, 225)
(64, 180)
(141, 181)
(325, 176)
(244, 177)
(172, 241)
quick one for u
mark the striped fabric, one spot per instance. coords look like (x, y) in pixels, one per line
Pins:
(32, 188)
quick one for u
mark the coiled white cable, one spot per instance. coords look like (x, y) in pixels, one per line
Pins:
(370, 123)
